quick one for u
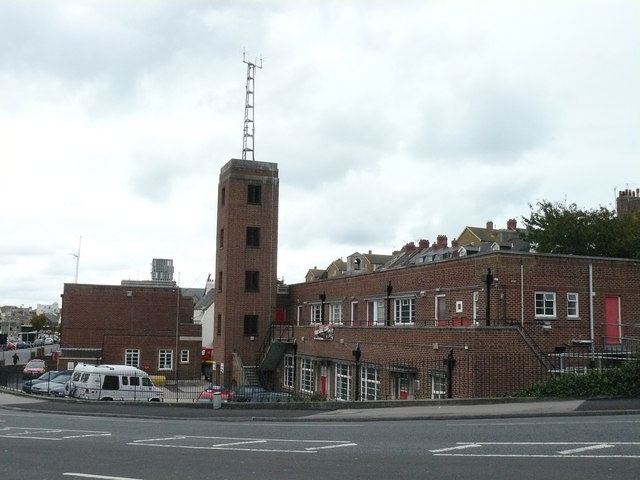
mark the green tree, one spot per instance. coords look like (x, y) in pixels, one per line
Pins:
(38, 322)
(558, 228)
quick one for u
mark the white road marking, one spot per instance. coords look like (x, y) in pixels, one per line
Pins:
(104, 477)
(242, 444)
(459, 447)
(584, 449)
(48, 433)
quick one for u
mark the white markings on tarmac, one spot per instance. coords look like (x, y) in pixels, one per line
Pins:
(48, 433)
(243, 444)
(542, 449)
(89, 475)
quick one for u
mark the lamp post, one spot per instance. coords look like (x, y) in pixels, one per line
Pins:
(357, 353)
(449, 362)
(487, 279)
(389, 290)
(323, 297)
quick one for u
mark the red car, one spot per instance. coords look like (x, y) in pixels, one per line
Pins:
(34, 368)
(207, 395)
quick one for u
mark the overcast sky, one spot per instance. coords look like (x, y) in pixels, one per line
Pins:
(389, 121)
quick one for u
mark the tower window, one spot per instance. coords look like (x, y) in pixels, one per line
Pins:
(253, 236)
(254, 194)
(251, 325)
(251, 280)
(221, 237)
(223, 193)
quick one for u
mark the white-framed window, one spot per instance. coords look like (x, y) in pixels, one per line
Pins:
(288, 371)
(316, 313)
(573, 310)
(299, 318)
(184, 355)
(165, 360)
(376, 312)
(546, 304)
(405, 311)
(370, 383)
(459, 306)
(344, 373)
(438, 384)
(132, 357)
(335, 313)
(307, 376)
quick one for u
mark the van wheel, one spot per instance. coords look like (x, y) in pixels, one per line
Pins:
(106, 399)
(154, 400)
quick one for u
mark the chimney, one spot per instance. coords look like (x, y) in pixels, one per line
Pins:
(512, 224)
(409, 247)
(454, 243)
(423, 244)
(489, 225)
(442, 241)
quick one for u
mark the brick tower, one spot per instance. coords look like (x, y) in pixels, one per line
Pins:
(246, 262)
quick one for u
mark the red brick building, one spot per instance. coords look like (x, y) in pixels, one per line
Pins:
(403, 327)
(150, 327)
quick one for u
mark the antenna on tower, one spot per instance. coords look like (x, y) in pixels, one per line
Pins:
(248, 147)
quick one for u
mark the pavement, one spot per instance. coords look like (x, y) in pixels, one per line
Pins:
(329, 411)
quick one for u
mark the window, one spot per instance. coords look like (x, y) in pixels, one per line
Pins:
(132, 357)
(343, 381)
(376, 312)
(134, 381)
(545, 304)
(251, 281)
(253, 237)
(405, 311)
(572, 305)
(438, 384)
(307, 377)
(219, 325)
(184, 356)
(254, 194)
(223, 193)
(335, 313)
(288, 371)
(111, 382)
(370, 383)
(165, 360)
(221, 243)
(219, 281)
(316, 313)
(251, 325)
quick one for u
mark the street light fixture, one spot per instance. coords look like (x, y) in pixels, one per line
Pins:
(357, 353)
(323, 297)
(389, 290)
(487, 279)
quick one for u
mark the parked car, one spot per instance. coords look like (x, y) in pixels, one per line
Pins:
(207, 395)
(34, 368)
(22, 345)
(49, 341)
(10, 346)
(244, 393)
(45, 377)
(57, 387)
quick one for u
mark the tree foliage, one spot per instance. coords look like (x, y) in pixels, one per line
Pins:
(558, 228)
(38, 322)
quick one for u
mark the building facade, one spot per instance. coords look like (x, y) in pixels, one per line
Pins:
(246, 265)
(146, 326)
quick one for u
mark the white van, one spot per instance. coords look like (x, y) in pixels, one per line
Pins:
(113, 382)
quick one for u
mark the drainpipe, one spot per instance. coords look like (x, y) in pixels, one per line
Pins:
(521, 294)
(591, 294)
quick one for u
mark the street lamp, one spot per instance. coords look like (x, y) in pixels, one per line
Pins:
(389, 290)
(323, 297)
(357, 353)
(487, 279)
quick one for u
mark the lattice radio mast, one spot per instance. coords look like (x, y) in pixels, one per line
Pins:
(248, 147)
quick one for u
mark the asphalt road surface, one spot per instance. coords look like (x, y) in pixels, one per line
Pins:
(53, 446)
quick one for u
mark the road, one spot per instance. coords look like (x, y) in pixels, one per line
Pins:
(53, 446)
